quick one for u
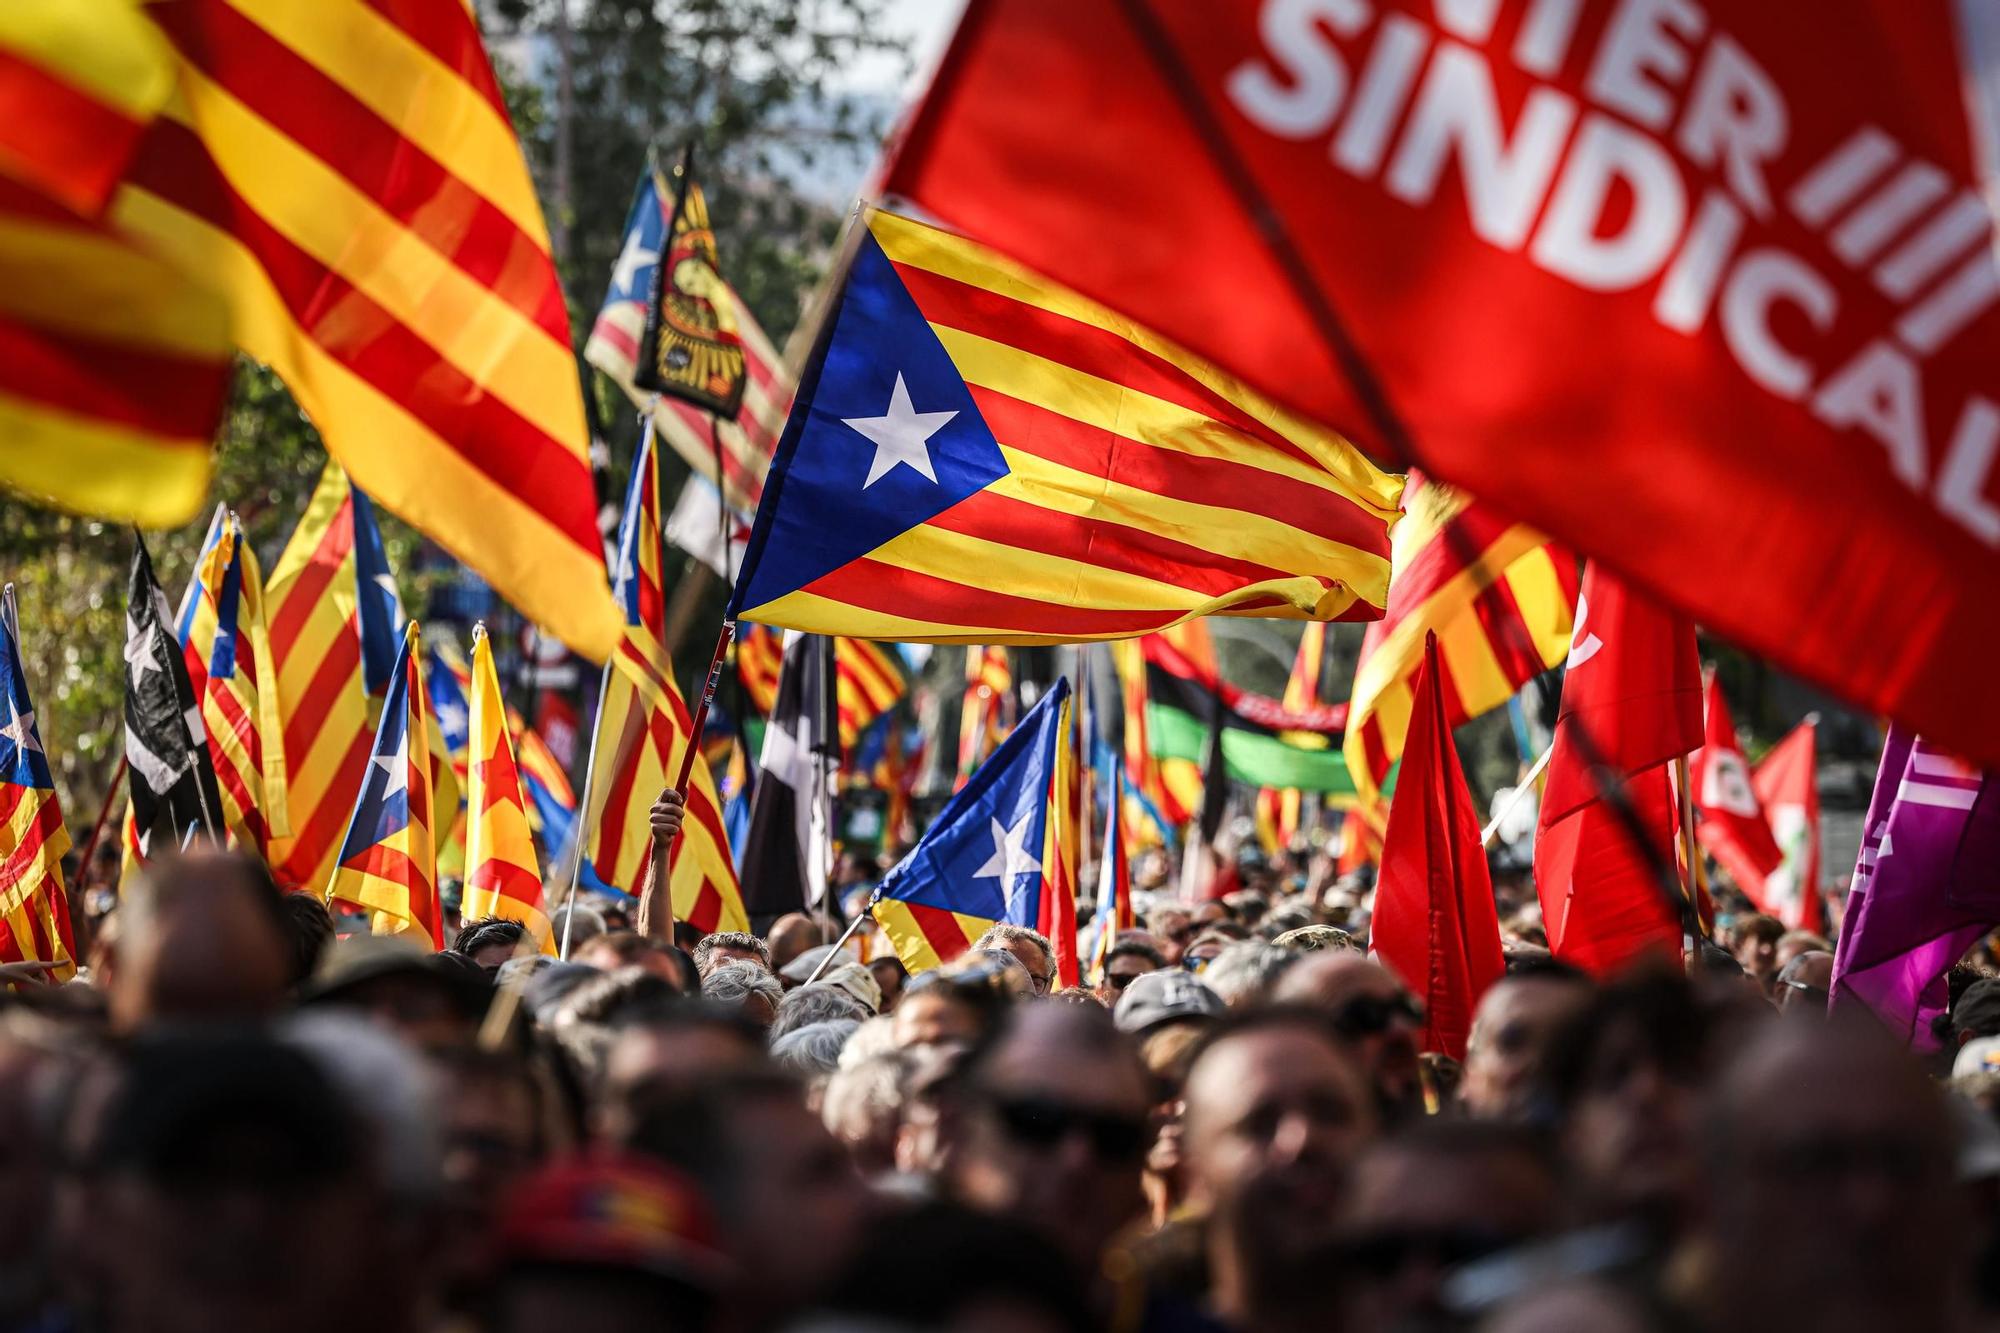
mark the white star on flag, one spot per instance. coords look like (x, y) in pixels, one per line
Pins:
(20, 728)
(396, 765)
(450, 716)
(1010, 859)
(631, 259)
(902, 435)
(140, 654)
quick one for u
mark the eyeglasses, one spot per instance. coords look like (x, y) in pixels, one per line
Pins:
(1042, 1123)
(1120, 980)
(1372, 1015)
(1041, 984)
(1813, 993)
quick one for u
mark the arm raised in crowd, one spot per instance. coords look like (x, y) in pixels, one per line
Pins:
(656, 913)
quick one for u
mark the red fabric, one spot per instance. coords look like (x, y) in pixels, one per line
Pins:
(1435, 922)
(1604, 898)
(1731, 823)
(1787, 784)
(1794, 442)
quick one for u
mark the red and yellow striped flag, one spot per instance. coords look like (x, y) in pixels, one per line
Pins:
(34, 907)
(225, 640)
(760, 653)
(989, 697)
(502, 876)
(643, 730)
(1278, 808)
(114, 365)
(1499, 597)
(346, 171)
(868, 680)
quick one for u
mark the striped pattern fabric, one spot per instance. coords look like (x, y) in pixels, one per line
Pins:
(1278, 807)
(868, 680)
(1080, 479)
(642, 732)
(760, 654)
(224, 638)
(34, 907)
(332, 668)
(744, 445)
(1498, 596)
(989, 698)
(502, 876)
(114, 365)
(347, 171)
(1171, 787)
(1114, 880)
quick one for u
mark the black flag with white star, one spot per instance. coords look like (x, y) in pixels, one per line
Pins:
(173, 781)
(791, 812)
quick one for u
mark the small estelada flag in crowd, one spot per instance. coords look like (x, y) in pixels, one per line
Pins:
(1730, 818)
(1786, 782)
(166, 744)
(334, 625)
(992, 853)
(502, 877)
(1435, 922)
(982, 715)
(448, 677)
(227, 648)
(388, 861)
(34, 907)
(868, 680)
(979, 455)
(791, 811)
(1926, 886)
(1631, 704)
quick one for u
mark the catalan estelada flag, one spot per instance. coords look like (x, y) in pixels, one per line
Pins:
(224, 638)
(760, 654)
(868, 680)
(643, 729)
(551, 800)
(333, 622)
(114, 365)
(997, 851)
(34, 909)
(977, 455)
(989, 698)
(502, 877)
(448, 677)
(1499, 598)
(388, 860)
(346, 172)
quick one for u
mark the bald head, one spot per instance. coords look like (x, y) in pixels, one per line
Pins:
(201, 936)
(1371, 1014)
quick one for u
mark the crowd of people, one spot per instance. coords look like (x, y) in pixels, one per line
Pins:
(250, 1114)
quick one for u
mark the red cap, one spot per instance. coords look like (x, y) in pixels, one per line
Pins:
(613, 1211)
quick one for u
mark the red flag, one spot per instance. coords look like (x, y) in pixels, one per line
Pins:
(1731, 826)
(1631, 702)
(1785, 782)
(1758, 226)
(1435, 922)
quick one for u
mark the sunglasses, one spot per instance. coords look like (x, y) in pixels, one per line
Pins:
(1120, 980)
(1372, 1015)
(1043, 1124)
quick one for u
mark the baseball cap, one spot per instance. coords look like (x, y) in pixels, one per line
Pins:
(1312, 939)
(800, 969)
(1166, 996)
(612, 1210)
(1978, 1009)
(1981, 1055)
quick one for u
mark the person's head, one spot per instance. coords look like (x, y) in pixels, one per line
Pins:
(1124, 964)
(1436, 1194)
(891, 978)
(427, 999)
(628, 948)
(791, 935)
(1804, 984)
(959, 1269)
(575, 926)
(1372, 1014)
(1173, 927)
(1030, 947)
(1275, 1111)
(1976, 1011)
(730, 946)
(1624, 1074)
(817, 1003)
(1316, 939)
(1795, 942)
(1753, 942)
(1205, 948)
(944, 1008)
(1168, 996)
(812, 1051)
(1828, 1159)
(490, 941)
(308, 930)
(664, 1048)
(1516, 1021)
(747, 987)
(1047, 1122)
(999, 968)
(201, 935)
(862, 1107)
(789, 1203)
(1244, 972)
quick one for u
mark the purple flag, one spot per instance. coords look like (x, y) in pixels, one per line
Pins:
(1926, 886)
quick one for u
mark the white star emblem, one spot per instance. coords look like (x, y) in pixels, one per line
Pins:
(396, 765)
(20, 728)
(1010, 859)
(631, 259)
(450, 716)
(141, 654)
(902, 435)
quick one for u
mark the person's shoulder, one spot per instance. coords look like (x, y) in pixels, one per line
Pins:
(1172, 1312)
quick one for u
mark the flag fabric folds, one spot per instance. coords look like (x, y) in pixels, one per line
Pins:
(387, 861)
(224, 640)
(1497, 595)
(333, 621)
(993, 853)
(790, 835)
(1631, 703)
(1757, 383)
(734, 454)
(1435, 922)
(347, 172)
(1786, 783)
(34, 906)
(114, 365)
(1730, 818)
(760, 656)
(963, 416)
(166, 744)
(868, 680)
(1925, 886)
(502, 875)
(642, 730)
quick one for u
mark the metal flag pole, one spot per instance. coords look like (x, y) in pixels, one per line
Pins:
(1514, 798)
(845, 936)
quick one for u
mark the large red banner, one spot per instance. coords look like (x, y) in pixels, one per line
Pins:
(1705, 290)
